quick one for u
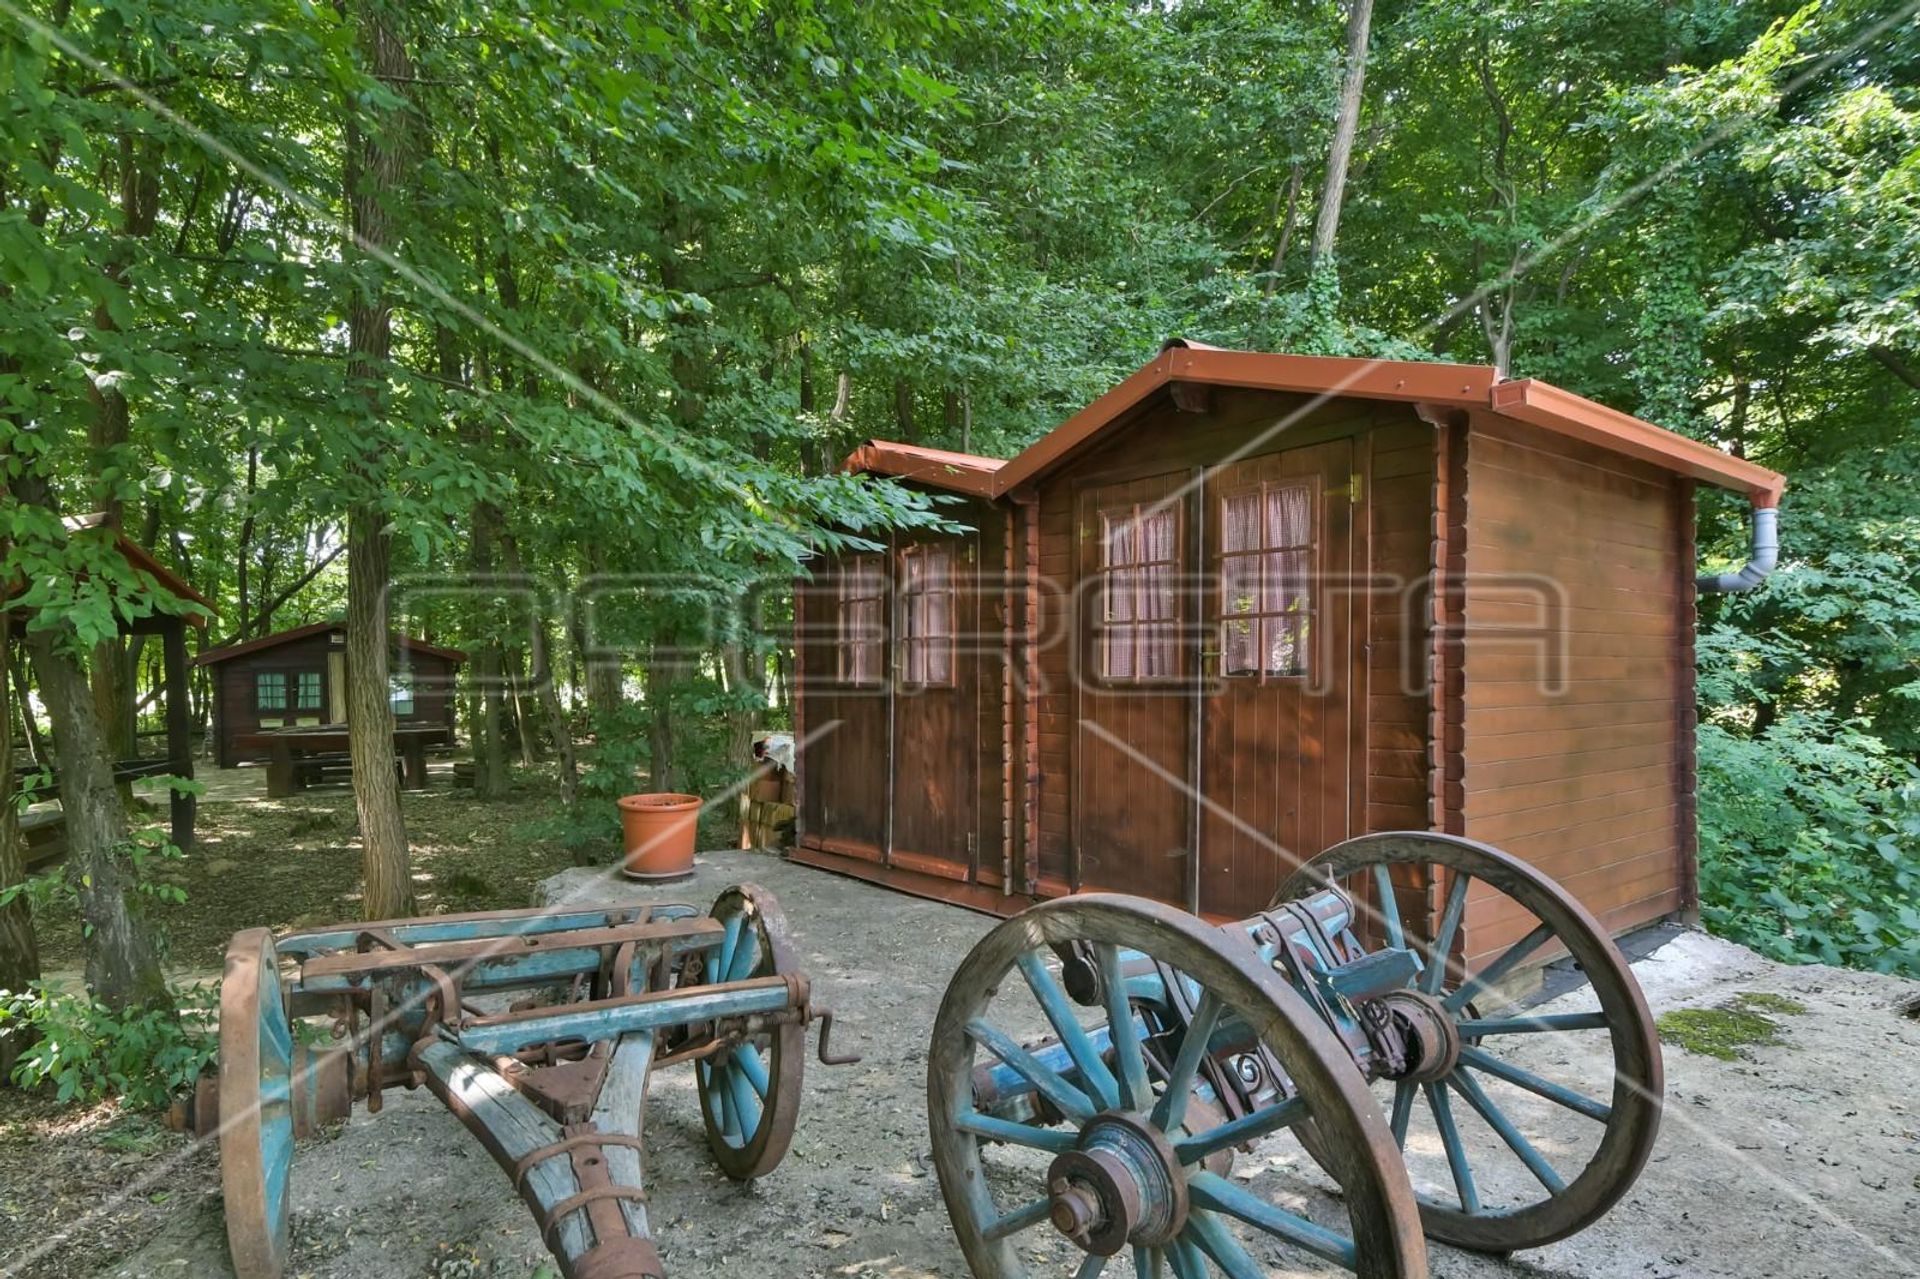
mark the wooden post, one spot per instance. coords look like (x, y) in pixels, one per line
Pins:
(173, 641)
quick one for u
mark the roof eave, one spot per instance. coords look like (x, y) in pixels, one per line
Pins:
(1543, 405)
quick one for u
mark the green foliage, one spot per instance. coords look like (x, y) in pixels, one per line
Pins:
(1810, 843)
(86, 1052)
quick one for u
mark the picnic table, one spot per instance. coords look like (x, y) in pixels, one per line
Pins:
(294, 754)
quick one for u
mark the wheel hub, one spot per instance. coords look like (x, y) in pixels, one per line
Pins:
(1432, 1037)
(1121, 1185)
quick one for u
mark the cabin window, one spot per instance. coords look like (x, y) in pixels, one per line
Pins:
(1139, 602)
(1266, 580)
(308, 690)
(926, 615)
(400, 692)
(862, 590)
(270, 690)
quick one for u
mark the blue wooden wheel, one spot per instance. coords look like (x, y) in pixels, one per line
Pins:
(1106, 1171)
(1530, 1127)
(256, 1106)
(750, 1088)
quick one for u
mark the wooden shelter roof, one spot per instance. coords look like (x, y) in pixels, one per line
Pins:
(230, 651)
(1442, 386)
(142, 561)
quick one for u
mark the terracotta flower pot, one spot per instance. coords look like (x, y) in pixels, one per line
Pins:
(661, 831)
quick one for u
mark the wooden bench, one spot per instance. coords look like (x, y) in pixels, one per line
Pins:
(44, 835)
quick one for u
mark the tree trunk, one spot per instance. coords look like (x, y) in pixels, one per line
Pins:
(1326, 227)
(545, 687)
(747, 669)
(376, 158)
(110, 430)
(903, 411)
(1286, 231)
(36, 744)
(376, 791)
(489, 736)
(123, 964)
(663, 677)
(19, 955)
(522, 726)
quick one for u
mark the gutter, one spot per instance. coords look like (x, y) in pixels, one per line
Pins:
(1765, 553)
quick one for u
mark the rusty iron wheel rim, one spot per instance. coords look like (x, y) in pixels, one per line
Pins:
(1633, 1119)
(256, 1106)
(731, 1087)
(1385, 1238)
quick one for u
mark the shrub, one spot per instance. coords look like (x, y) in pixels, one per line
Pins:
(1808, 835)
(87, 1052)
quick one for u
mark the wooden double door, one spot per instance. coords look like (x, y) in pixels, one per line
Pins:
(893, 671)
(1217, 659)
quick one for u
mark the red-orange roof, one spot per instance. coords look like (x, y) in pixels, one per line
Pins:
(214, 656)
(956, 472)
(1450, 386)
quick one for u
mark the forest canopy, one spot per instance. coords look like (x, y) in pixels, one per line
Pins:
(331, 303)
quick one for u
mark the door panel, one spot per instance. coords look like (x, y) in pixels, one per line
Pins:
(843, 665)
(936, 670)
(1276, 754)
(1135, 661)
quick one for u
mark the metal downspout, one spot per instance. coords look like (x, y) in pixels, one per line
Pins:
(1764, 555)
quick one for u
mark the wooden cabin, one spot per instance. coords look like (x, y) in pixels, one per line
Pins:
(1245, 606)
(298, 678)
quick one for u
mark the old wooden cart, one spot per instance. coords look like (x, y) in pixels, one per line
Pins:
(1098, 1060)
(538, 1030)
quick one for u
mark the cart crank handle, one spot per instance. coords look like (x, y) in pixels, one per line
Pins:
(827, 1056)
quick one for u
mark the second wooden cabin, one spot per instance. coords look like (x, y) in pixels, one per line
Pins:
(1245, 606)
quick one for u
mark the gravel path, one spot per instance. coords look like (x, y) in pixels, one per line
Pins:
(1797, 1159)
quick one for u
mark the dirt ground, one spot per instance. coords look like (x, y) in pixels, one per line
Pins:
(1797, 1158)
(295, 862)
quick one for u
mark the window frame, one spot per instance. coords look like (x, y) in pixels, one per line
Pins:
(298, 689)
(1307, 618)
(1169, 631)
(860, 632)
(396, 682)
(282, 706)
(920, 644)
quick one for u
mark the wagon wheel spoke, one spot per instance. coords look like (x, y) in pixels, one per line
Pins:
(1546, 1024)
(749, 1090)
(1079, 1045)
(1522, 1173)
(1217, 1193)
(1484, 1061)
(1170, 1111)
(1069, 1100)
(1020, 1218)
(1455, 910)
(1456, 1151)
(1237, 1132)
(1135, 1093)
(1213, 1238)
(1185, 1260)
(1403, 1095)
(1029, 1142)
(1496, 1119)
(1389, 904)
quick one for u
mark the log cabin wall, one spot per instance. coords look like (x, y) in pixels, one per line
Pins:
(1577, 610)
(902, 744)
(237, 711)
(1096, 781)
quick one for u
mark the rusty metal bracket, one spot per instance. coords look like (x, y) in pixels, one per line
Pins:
(525, 1165)
(827, 1056)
